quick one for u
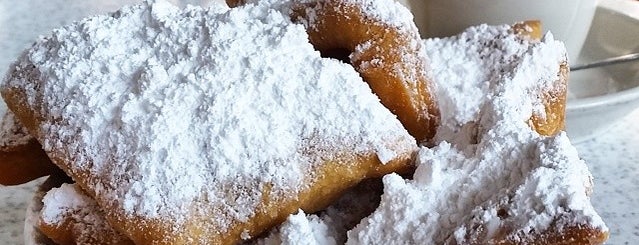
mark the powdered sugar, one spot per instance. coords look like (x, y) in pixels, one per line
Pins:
(68, 206)
(329, 226)
(489, 173)
(389, 12)
(63, 201)
(12, 133)
(490, 176)
(300, 229)
(157, 104)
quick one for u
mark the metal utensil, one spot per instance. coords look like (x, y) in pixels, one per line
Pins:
(605, 62)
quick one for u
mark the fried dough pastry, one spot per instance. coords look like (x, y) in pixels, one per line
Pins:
(211, 127)
(21, 156)
(384, 48)
(490, 177)
(201, 126)
(69, 217)
(389, 56)
(387, 53)
(60, 213)
(552, 119)
(33, 235)
(556, 159)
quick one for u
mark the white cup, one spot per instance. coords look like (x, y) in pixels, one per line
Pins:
(568, 20)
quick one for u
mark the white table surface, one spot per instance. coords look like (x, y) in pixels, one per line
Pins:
(613, 158)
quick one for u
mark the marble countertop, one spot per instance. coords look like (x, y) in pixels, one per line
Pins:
(613, 158)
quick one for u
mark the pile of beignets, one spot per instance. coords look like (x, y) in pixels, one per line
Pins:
(161, 125)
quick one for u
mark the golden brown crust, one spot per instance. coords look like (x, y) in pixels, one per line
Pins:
(73, 230)
(388, 58)
(341, 26)
(235, 3)
(334, 177)
(530, 28)
(558, 235)
(68, 232)
(408, 102)
(561, 231)
(570, 235)
(323, 193)
(391, 63)
(326, 183)
(33, 234)
(554, 98)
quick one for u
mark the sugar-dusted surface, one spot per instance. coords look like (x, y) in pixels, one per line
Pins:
(68, 206)
(489, 170)
(11, 132)
(612, 158)
(389, 12)
(263, 111)
(21, 22)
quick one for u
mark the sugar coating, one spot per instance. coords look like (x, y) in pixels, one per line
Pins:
(12, 133)
(389, 12)
(487, 160)
(172, 111)
(68, 204)
(490, 173)
(300, 229)
(328, 226)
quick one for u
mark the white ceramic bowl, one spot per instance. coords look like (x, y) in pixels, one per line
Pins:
(599, 97)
